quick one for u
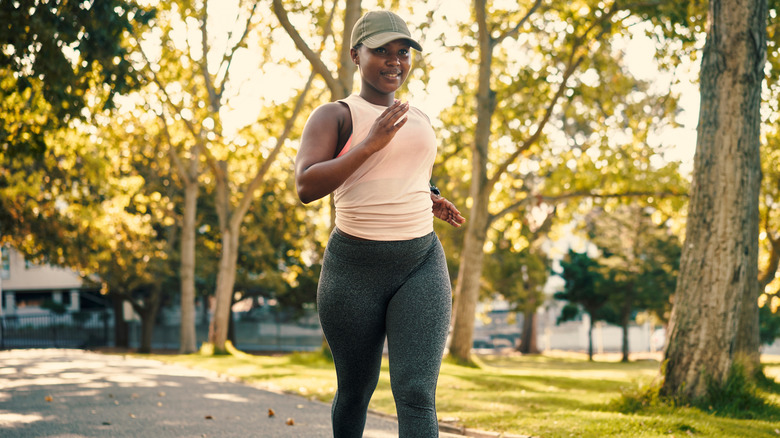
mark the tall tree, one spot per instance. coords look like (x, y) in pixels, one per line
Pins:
(639, 259)
(717, 290)
(584, 289)
(517, 166)
(199, 87)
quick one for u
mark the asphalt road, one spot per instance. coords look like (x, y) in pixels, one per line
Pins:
(74, 393)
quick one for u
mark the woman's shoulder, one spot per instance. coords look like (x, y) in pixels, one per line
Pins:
(331, 111)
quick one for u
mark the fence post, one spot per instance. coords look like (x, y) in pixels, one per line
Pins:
(105, 317)
(53, 330)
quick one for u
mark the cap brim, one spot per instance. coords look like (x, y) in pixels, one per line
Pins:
(381, 39)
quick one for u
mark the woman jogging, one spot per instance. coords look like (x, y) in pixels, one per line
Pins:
(383, 273)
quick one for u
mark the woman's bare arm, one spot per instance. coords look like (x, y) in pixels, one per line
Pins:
(317, 173)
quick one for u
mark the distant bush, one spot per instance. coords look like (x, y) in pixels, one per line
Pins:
(54, 307)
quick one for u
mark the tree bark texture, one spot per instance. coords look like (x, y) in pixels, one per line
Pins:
(148, 320)
(121, 329)
(187, 339)
(226, 279)
(528, 343)
(717, 286)
(468, 285)
(590, 337)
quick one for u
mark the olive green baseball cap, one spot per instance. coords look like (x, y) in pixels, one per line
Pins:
(377, 28)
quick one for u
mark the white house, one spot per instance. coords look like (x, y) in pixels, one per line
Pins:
(25, 286)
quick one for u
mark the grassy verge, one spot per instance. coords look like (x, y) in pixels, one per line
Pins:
(547, 396)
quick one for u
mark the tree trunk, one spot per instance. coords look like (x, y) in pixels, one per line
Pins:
(187, 339)
(226, 279)
(624, 347)
(232, 327)
(590, 338)
(470, 272)
(528, 341)
(148, 319)
(718, 268)
(121, 329)
(468, 285)
(625, 320)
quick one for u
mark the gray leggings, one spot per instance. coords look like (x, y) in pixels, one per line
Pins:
(369, 289)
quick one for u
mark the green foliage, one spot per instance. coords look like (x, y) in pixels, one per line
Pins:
(769, 325)
(737, 397)
(583, 285)
(56, 57)
(516, 273)
(637, 398)
(640, 258)
(48, 204)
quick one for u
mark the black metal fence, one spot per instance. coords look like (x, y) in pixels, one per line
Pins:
(259, 331)
(71, 330)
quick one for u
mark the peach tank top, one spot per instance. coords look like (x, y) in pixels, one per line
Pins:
(388, 197)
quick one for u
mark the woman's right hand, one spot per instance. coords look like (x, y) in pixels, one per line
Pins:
(386, 126)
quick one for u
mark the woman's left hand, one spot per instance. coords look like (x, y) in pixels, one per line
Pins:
(446, 211)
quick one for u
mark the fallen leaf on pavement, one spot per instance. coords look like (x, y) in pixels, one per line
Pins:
(48, 398)
(209, 417)
(290, 422)
(271, 412)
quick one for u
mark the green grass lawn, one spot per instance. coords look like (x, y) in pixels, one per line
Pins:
(548, 396)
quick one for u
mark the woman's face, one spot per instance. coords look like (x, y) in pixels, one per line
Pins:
(385, 68)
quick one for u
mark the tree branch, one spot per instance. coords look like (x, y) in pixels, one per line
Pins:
(513, 32)
(316, 62)
(227, 59)
(572, 65)
(259, 176)
(204, 60)
(347, 68)
(180, 169)
(196, 133)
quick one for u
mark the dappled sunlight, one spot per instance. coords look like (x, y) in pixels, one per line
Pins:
(227, 397)
(133, 395)
(10, 419)
(375, 433)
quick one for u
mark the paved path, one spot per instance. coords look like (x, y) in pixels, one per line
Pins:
(73, 394)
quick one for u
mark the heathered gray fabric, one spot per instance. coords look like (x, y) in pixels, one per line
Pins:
(401, 289)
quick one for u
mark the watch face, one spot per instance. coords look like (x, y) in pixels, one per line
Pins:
(435, 191)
